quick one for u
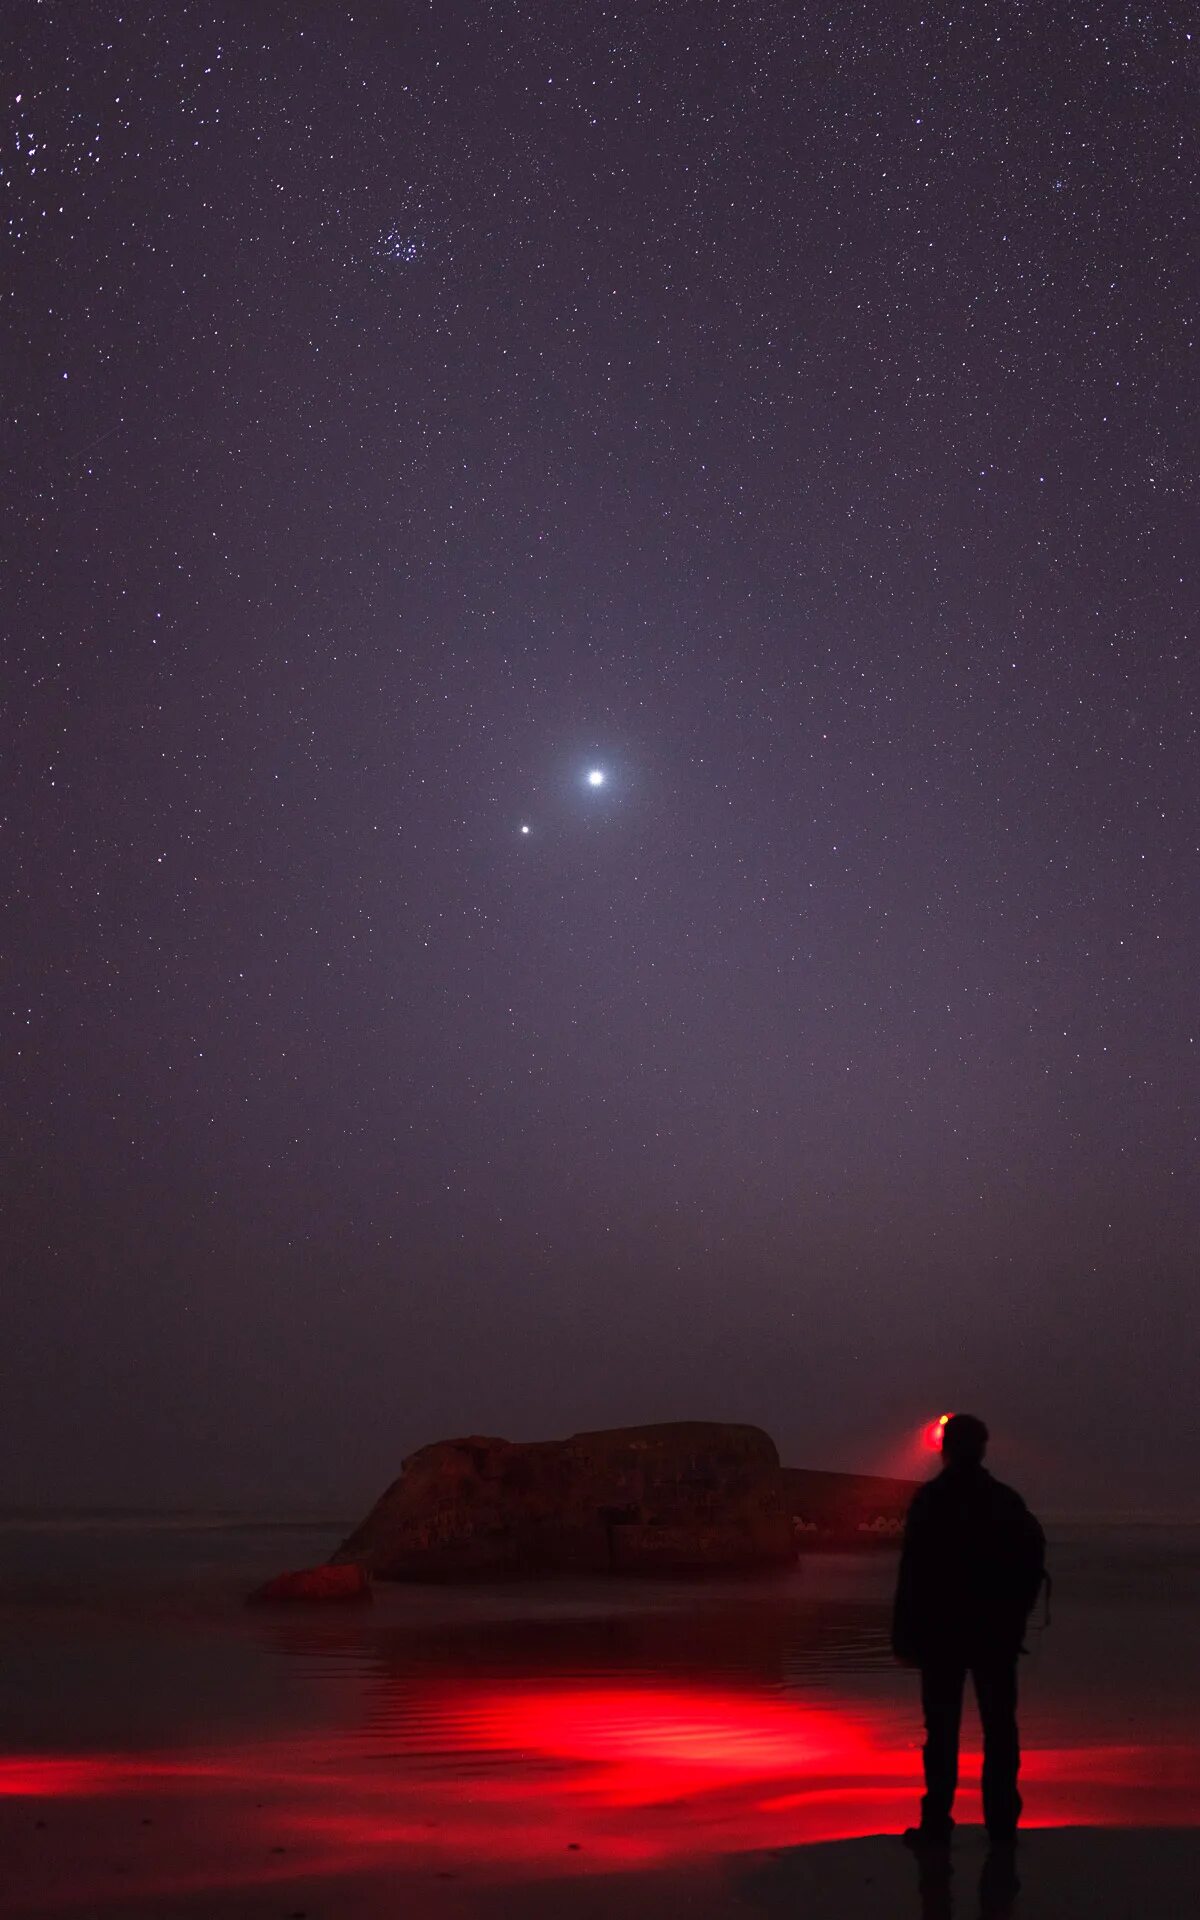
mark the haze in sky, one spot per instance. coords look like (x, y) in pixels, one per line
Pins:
(601, 742)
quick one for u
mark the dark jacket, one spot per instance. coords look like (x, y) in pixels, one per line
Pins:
(972, 1564)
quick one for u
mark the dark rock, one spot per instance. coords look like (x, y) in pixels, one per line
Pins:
(846, 1509)
(687, 1497)
(317, 1583)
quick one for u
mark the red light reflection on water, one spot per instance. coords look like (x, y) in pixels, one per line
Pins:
(57, 1777)
(509, 1779)
(640, 1746)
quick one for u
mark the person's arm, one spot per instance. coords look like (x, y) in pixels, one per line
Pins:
(1033, 1560)
(904, 1609)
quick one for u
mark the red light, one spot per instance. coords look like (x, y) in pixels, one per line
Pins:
(625, 1777)
(935, 1431)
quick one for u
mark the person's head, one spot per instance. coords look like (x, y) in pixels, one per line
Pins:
(964, 1441)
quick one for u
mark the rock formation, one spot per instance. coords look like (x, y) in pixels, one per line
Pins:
(846, 1509)
(317, 1583)
(680, 1498)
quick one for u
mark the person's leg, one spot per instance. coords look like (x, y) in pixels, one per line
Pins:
(996, 1692)
(941, 1702)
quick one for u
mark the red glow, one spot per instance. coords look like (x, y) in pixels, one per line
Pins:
(509, 1781)
(935, 1432)
(55, 1777)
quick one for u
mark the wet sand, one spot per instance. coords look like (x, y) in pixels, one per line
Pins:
(579, 1803)
(577, 1751)
(84, 1862)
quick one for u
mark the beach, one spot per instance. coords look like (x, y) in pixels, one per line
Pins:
(564, 1748)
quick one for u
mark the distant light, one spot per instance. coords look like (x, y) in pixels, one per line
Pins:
(596, 777)
(524, 829)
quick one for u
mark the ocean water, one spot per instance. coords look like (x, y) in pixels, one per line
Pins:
(488, 1730)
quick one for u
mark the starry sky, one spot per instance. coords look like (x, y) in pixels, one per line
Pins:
(787, 411)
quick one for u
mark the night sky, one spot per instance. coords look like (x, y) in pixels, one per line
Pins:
(788, 412)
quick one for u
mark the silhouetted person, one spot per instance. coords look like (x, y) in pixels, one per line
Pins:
(970, 1571)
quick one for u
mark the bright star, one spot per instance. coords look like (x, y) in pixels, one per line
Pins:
(524, 829)
(596, 777)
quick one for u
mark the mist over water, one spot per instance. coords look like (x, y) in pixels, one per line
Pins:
(136, 1628)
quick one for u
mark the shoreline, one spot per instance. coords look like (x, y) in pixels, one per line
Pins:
(566, 1751)
(88, 1863)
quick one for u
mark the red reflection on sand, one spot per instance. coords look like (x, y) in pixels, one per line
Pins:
(54, 1777)
(511, 1780)
(49, 1779)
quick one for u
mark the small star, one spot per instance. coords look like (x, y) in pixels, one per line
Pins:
(524, 829)
(596, 777)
